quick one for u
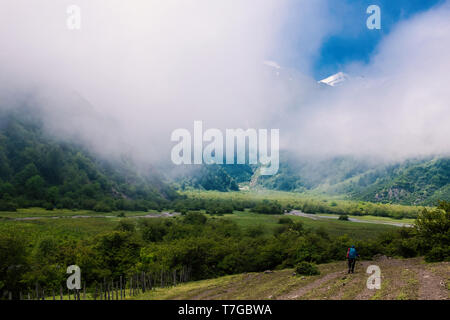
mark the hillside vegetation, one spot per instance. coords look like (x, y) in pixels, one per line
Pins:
(401, 279)
(107, 248)
(413, 182)
(39, 171)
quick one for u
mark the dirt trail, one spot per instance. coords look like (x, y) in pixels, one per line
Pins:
(432, 287)
(311, 286)
(400, 279)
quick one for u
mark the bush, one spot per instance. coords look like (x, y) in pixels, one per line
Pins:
(102, 207)
(268, 207)
(437, 254)
(285, 221)
(48, 206)
(343, 217)
(8, 206)
(195, 217)
(153, 231)
(125, 226)
(307, 269)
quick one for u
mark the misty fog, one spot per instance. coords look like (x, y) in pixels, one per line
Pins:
(137, 70)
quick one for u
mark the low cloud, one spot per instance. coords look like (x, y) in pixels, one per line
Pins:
(396, 106)
(137, 70)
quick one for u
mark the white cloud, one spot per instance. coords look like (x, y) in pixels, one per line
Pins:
(401, 108)
(149, 67)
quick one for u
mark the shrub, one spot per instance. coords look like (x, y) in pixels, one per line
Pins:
(343, 217)
(195, 217)
(102, 207)
(125, 226)
(268, 207)
(8, 206)
(307, 269)
(437, 254)
(285, 221)
(48, 206)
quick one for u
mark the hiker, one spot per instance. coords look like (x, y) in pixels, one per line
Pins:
(351, 256)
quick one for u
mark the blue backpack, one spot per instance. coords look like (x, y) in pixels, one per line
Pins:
(352, 253)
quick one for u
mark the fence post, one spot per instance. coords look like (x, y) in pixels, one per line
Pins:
(131, 285)
(143, 282)
(136, 284)
(120, 287)
(60, 293)
(151, 280)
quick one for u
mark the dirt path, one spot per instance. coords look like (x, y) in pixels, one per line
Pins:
(298, 293)
(431, 286)
(408, 279)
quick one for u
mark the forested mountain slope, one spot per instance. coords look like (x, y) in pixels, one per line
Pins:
(39, 170)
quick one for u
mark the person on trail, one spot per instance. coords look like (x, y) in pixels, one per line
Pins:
(351, 257)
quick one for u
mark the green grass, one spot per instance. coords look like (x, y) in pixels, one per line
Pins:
(58, 228)
(252, 285)
(334, 227)
(68, 226)
(40, 212)
(373, 218)
(84, 227)
(320, 203)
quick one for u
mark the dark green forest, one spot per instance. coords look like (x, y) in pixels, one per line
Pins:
(38, 171)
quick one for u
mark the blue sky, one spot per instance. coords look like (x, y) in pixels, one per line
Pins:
(353, 41)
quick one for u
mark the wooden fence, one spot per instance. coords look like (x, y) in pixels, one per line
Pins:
(112, 289)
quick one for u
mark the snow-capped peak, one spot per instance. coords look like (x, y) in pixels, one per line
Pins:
(336, 79)
(272, 64)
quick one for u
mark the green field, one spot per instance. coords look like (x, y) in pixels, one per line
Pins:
(314, 204)
(36, 222)
(40, 212)
(334, 227)
(73, 225)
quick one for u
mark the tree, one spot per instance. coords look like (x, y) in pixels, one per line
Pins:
(433, 228)
(35, 187)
